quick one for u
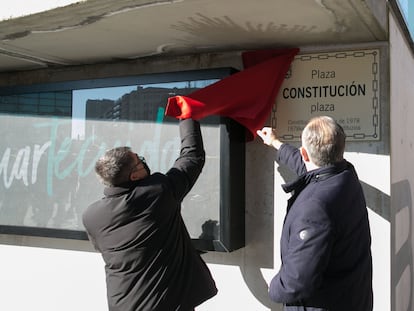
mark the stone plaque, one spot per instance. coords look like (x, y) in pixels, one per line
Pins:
(343, 85)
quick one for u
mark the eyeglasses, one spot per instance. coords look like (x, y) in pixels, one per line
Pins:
(141, 161)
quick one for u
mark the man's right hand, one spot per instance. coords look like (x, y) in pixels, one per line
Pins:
(268, 135)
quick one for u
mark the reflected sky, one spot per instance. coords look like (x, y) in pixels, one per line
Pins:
(80, 97)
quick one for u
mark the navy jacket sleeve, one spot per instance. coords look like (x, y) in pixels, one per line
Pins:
(290, 156)
(190, 162)
(306, 259)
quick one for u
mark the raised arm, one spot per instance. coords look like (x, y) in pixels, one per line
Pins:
(286, 154)
(190, 162)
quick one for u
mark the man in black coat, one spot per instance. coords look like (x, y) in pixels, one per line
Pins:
(137, 226)
(326, 240)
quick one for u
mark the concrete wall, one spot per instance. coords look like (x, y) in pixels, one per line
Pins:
(52, 274)
(402, 170)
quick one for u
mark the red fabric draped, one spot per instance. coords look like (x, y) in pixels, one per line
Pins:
(247, 96)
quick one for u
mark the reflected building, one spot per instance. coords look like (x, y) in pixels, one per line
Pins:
(57, 103)
(99, 109)
(142, 104)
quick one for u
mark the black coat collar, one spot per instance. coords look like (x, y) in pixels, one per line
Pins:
(120, 189)
(315, 175)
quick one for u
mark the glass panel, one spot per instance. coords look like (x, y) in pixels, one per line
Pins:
(51, 141)
(38, 104)
(407, 11)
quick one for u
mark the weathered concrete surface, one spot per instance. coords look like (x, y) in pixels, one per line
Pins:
(97, 31)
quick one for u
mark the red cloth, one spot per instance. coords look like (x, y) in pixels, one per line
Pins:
(247, 96)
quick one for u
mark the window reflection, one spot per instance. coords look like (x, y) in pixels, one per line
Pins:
(51, 140)
(48, 104)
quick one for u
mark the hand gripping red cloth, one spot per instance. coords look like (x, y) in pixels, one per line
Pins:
(247, 96)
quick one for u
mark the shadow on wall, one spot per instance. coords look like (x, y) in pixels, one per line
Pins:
(402, 275)
(377, 201)
(259, 225)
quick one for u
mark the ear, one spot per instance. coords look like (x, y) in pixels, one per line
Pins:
(304, 154)
(136, 175)
(133, 176)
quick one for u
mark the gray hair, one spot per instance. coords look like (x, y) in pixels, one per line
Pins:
(324, 140)
(114, 167)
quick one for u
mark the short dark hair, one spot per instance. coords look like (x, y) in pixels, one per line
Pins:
(114, 167)
(324, 140)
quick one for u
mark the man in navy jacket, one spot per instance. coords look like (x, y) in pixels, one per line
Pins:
(150, 263)
(326, 240)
